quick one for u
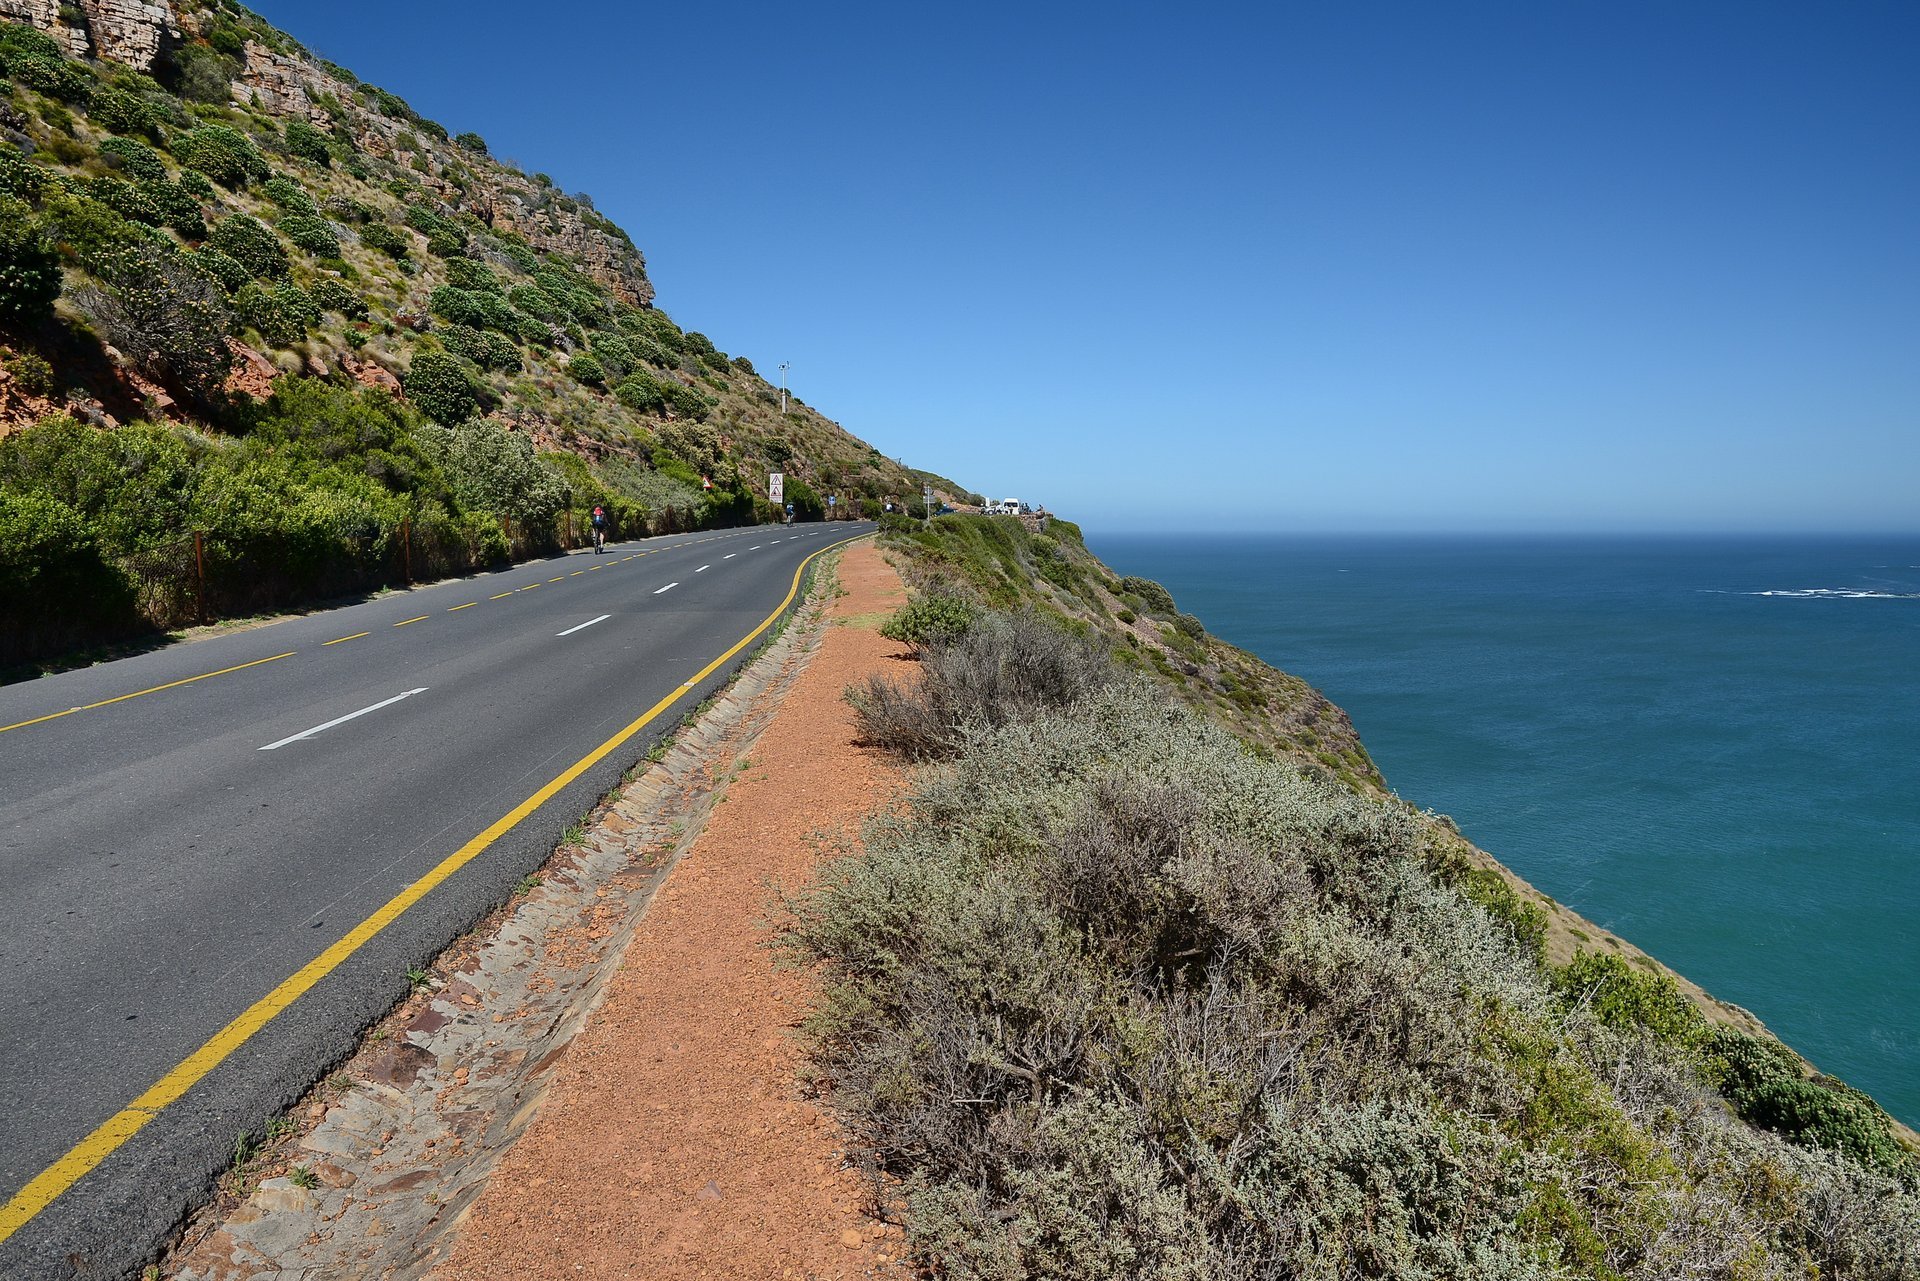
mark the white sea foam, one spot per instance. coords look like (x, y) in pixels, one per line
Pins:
(1835, 593)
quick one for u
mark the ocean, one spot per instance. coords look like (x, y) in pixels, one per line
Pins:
(1710, 746)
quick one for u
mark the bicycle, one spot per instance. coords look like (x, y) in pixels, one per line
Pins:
(599, 539)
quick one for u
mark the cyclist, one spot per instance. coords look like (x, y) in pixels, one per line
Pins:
(599, 528)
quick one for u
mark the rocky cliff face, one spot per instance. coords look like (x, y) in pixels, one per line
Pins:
(123, 31)
(290, 83)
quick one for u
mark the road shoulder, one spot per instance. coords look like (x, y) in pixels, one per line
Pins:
(647, 1121)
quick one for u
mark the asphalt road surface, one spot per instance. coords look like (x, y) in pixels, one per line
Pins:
(192, 878)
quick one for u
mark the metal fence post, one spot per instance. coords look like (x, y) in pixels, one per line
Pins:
(199, 579)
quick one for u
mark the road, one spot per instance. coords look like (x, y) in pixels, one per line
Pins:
(201, 848)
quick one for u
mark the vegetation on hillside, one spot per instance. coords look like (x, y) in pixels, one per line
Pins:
(344, 355)
(1122, 994)
(1011, 563)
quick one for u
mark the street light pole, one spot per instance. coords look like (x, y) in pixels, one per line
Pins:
(784, 366)
(926, 492)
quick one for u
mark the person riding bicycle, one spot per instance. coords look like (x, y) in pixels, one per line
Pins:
(599, 528)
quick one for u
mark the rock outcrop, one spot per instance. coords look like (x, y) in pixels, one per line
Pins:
(130, 32)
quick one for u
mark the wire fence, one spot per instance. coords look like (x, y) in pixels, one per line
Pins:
(200, 577)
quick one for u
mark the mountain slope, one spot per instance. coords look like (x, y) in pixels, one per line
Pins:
(346, 346)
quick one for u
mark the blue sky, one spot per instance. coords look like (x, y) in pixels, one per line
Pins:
(1379, 266)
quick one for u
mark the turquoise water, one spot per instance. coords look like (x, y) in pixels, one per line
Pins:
(1711, 747)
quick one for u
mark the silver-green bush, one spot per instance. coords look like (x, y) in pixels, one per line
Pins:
(1115, 997)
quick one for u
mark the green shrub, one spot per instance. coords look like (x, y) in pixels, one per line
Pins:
(442, 388)
(472, 142)
(222, 153)
(447, 243)
(458, 306)
(205, 74)
(647, 351)
(496, 470)
(1622, 995)
(20, 42)
(308, 143)
(195, 184)
(587, 307)
(484, 348)
(615, 357)
(289, 195)
(928, 620)
(247, 241)
(283, 314)
(584, 368)
(222, 268)
(642, 394)
(87, 231)
(529, 330)
(52, 570)
(331, 295)
(380, 236)
(166, 313)
(686, 402)
(517, 251)
(130, 485)
(136, 158)
(31, 374)
(178, 208)
(311, 233)
(1767, 1087)
(474, 276)
(535, 302)
(227, 38)
(655, 326)
(57, 77)
(1525, 922)
(20, 179)
(499, 315)
(126, 199)
(122, 112)
(1154, 598)
(422, 219)
(29, 267)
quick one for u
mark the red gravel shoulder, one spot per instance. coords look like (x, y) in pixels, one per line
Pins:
(675, 1142)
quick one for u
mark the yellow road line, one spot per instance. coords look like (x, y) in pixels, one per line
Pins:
(576, 573)
(106, 1138)
(340, 639)
(403, 622)
(501, 596)
(121, 698)
(469, 605)
(529, 587)
(556, 578)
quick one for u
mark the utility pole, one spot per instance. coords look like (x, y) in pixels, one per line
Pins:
(926, 492)
(784, 366)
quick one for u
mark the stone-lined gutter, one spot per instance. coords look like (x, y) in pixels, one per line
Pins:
(370, 1174)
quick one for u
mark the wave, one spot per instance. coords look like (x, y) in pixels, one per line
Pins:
(1835, 593)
